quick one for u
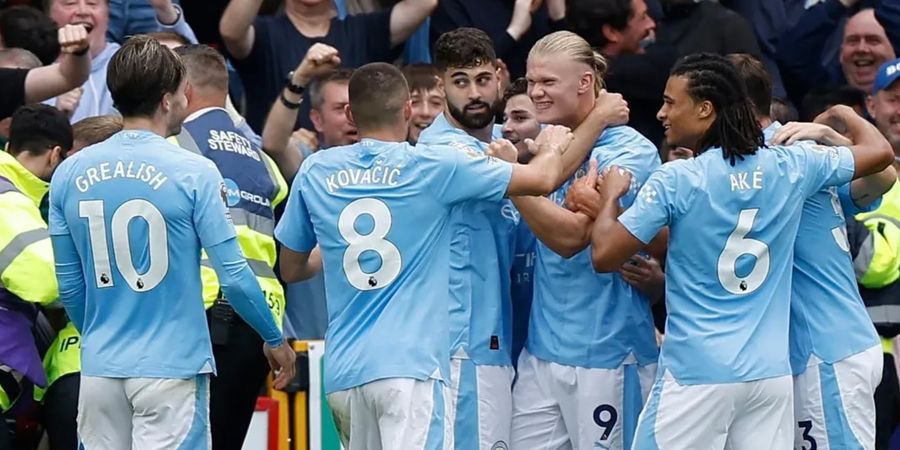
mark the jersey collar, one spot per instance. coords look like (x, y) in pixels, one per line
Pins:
(196, 114)
(25, 181)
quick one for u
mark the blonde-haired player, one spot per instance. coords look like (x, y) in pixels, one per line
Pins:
(590, 356)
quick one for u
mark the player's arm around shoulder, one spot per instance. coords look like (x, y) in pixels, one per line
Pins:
(862, 192)
(616, 237)
(545, 171)
(871, 151)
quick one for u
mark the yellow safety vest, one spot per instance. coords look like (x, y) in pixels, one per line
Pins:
(62, 358)
(878, 262)
(27, 272)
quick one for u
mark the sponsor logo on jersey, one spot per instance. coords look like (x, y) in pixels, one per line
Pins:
(499, 445)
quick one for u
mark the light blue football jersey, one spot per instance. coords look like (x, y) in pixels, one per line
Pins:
(828, 317)
(380, 214)
(481, 255)
(582, 318)
(138, 210)
(731, 249)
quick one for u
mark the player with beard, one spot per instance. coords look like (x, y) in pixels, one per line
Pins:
(583, 388)
(483, 235)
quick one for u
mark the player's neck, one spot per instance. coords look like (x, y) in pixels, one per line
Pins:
(147, 124)
(390, 134)
(764, 122)
(483, 134)
(581, 114)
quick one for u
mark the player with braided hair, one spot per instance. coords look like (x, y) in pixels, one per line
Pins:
(733, 213)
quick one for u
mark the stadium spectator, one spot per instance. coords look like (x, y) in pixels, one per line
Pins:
(39, 137)
(18, 58)
(592, 370)
(621, 30)
(30, 29)
(14, 58)
(267, 48)
(783, 111)
(94, 99)
(133, 17)
(693, 26)
(513, 26)
(820, 99)
(427, 94)
(870, 38)
(94, 130)
(150, 391)
(306, 315)
(21, 86)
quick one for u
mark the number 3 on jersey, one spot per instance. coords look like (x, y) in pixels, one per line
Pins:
(374, 241)
(158, 238)
(737, 245)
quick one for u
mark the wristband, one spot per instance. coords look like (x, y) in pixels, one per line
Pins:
(287, 103)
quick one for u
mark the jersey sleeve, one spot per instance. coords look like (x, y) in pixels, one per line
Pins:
(825, 166)
(655, 205)
(463, 175)
(211, 218)
(639, 163)
(56, 219)
(295, 229)
(849, 206)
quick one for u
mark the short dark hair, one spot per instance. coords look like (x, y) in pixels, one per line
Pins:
(713, 78)
(782, 111)
(378, 93)
(205, 67)
(140, 74)
(756, 80)
(28, 28)
(819, 99)
(96, 129)
(169, 36)
(517, 87)
(421, 77)
(586, 18)
(316, 97)
(463, 48)
(37, 128)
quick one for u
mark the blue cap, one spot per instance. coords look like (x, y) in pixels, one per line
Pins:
(888, 73)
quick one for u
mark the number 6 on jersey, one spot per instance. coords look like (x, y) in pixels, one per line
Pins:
(737, 245)
(374, 241)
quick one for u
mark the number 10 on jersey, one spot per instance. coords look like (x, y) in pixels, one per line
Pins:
(157, 235)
